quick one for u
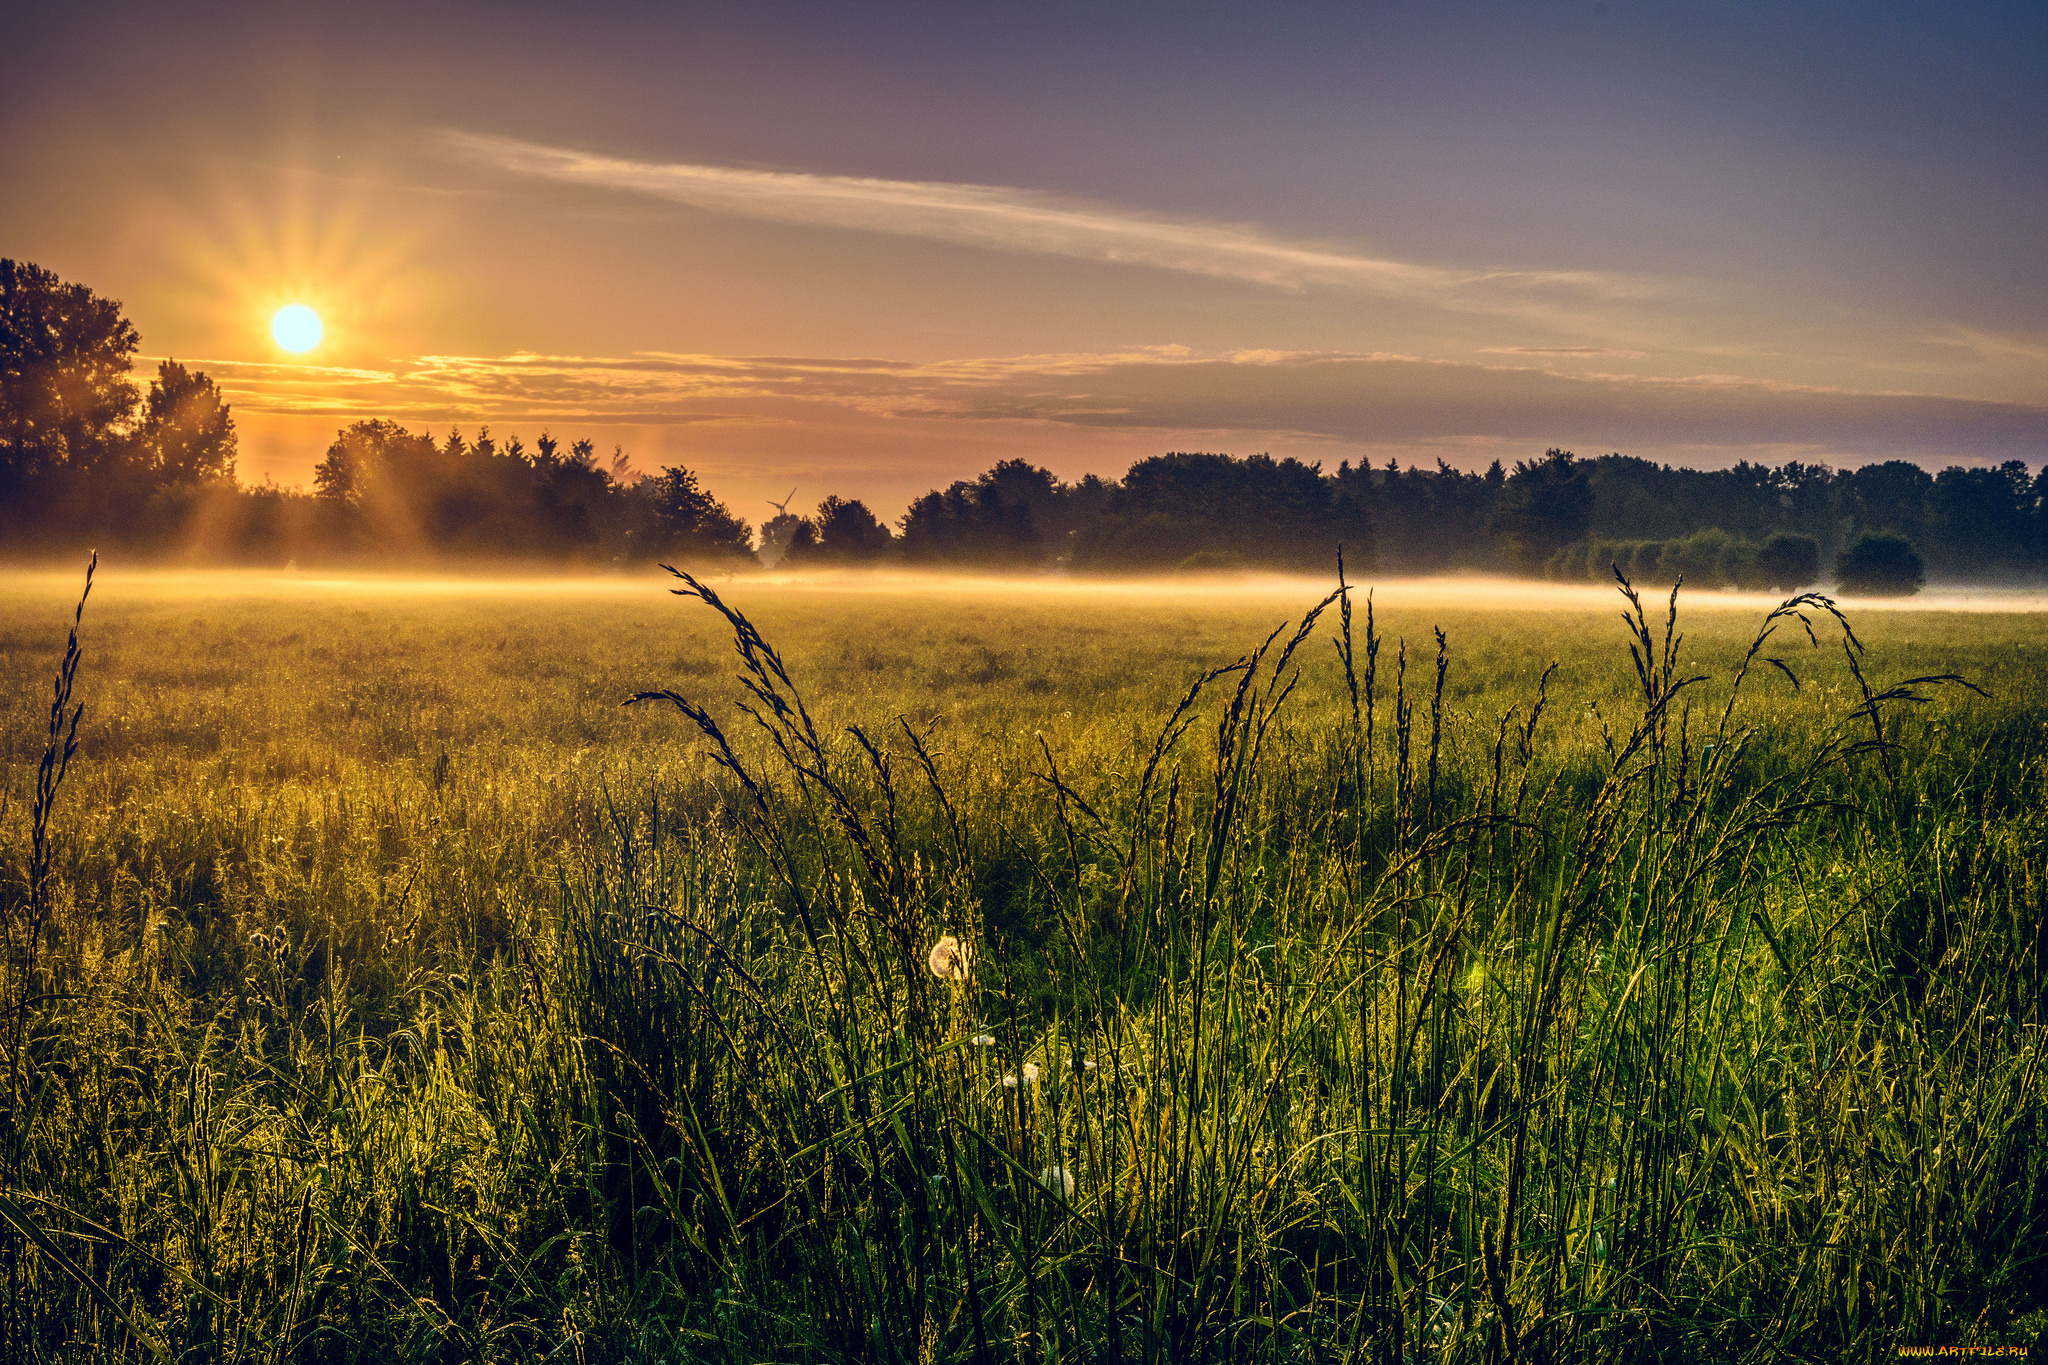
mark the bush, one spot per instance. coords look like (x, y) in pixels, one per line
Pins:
(1580, 560)
(1880, 564)
(1606, 556)
(1787, 562)
(1697, 558)
(1737, 566)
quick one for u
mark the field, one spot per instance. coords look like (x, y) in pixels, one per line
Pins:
(394, 992)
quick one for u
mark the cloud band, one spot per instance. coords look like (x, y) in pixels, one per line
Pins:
(1009, 219)
(1351, 399)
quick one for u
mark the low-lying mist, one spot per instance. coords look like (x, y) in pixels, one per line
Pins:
(1464, 592)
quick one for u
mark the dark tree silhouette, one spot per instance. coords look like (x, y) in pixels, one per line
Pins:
(689, 521)
(187, 434)
(572, 499)
(1880, 564)
(64, 359)
(369, 479)
(1423, 520)
(848, 533)
(1544, 505)
(1888, 497)
(776, 534)
(970, 523)
(1979, 520)
(82, 455)
(800, 549)
(1787, 562)
(1276, 513)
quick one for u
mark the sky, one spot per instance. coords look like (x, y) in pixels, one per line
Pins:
(867, 250)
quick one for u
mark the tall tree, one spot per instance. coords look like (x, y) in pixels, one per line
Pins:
(1889, 497)
(848, 533)
(1978, 521)
(65, 353)
(187, 434)
(688, 520)
(970, 523)
(1544, 505)
(366, 454)
(1277, 513)
(369, 478)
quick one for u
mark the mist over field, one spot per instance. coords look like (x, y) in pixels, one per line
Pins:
(1461, 592)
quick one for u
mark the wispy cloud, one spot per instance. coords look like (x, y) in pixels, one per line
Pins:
(1250, 399)
(1606, 351)
(1010, 219)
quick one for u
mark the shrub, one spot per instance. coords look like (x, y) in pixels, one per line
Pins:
(1697, 557)
(1605, 556)
(1576, 561)
(1787, 562)
(1880, 564)
(1737, 566)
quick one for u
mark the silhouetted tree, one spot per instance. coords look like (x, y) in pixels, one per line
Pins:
(800, 549)
(65, 354)
(369, 477)
(690, 522)
(1787, 561)
(77, 458)
(970, 523)
(187, 435)
(775, 537)
(1880, 564)
(1888, 497)
(1277, 513)
(1057, 509)
(365, 454)
(848, 533)
(571, 497)
(1980, 521)
(1545, 505)
(1423, 520)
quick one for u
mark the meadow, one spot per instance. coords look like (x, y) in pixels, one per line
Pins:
(1041, 971)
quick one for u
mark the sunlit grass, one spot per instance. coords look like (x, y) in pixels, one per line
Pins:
(411, 997)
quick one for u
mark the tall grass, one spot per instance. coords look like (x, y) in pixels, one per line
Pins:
(1268, 1038)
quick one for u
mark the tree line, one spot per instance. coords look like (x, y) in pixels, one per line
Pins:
(1882, 527)
(85, 454)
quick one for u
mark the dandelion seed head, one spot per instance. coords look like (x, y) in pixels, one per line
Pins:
(950, 959)
(1059, 1180)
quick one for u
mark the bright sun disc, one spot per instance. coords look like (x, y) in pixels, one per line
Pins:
(297, 328)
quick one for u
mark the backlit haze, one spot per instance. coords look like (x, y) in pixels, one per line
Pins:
(868, 250)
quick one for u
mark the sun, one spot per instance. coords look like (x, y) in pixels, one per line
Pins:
(296, 327)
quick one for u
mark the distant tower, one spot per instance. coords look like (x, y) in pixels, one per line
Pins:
(776, 534)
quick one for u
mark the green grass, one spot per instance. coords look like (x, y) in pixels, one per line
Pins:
(405, 996)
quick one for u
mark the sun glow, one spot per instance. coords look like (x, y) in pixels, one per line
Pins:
(296, 327)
